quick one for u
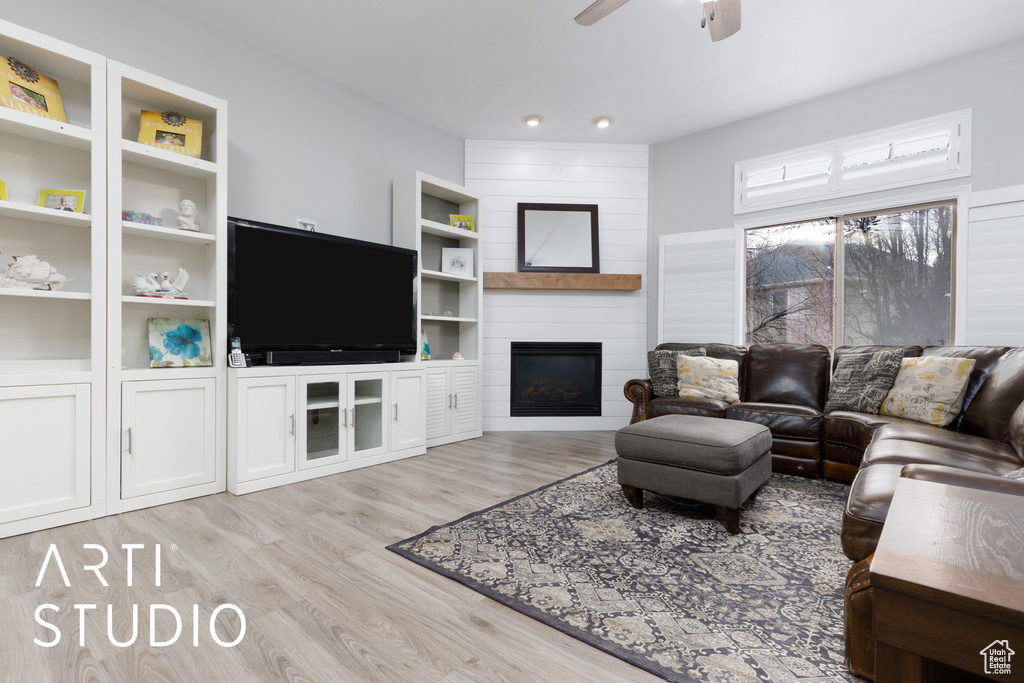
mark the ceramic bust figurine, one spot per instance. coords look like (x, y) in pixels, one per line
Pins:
(187, 215)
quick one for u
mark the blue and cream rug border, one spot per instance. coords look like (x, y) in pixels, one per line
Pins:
(665, 588)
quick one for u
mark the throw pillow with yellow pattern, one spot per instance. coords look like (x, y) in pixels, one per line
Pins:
(704, 377)
(929, 389)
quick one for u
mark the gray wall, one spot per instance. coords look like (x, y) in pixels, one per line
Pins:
(691, 177)
(330, 157)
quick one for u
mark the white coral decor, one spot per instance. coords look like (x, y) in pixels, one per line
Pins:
(28, 272)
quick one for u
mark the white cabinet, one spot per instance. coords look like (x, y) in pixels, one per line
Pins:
(449, 305)
(295, 423)
(265, 433)
(408, 423)
(453, 409)
(45, 435)
(169, 438)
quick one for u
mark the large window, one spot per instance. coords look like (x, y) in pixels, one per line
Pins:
(877, 278)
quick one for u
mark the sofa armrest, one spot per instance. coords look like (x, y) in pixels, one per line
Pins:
(639, 392)
(952, 476)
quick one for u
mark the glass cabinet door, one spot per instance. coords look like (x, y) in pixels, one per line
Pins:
(367, 411)
(323, 421)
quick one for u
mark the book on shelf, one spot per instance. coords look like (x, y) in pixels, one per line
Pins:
(24, 89)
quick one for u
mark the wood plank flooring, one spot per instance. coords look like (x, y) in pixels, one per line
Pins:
(306, 564)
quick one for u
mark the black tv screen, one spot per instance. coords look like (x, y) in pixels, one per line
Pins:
(295, 290)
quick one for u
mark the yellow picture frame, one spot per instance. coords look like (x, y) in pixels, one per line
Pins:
(461, 222)
(171, 131)
(3, 191)
(59, 200)
(39, 97)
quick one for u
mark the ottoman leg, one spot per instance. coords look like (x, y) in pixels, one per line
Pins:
(634, 495)
(729, 518)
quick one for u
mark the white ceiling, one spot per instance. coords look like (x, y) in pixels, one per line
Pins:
(474, 68)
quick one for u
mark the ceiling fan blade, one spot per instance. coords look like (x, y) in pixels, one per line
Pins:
(597, 11)
(726, 20)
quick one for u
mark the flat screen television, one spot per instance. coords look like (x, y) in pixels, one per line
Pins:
(298, 297)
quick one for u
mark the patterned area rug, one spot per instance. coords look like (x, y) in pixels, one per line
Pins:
(665, 588)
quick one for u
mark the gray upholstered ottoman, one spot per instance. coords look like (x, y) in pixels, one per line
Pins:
(707, 459)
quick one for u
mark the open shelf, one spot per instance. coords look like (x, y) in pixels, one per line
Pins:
(46, 294)
(441, 230)
(447, 319)
(44, 130)
(44, 215)
(202, 303)
(438, 275)
(154, 157)
(171, 234)
(321, 403)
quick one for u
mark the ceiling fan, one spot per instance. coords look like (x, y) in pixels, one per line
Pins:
(722, 17)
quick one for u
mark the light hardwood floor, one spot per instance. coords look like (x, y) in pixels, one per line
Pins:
(306, 564)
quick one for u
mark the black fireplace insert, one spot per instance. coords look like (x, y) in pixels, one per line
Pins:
(556, 379)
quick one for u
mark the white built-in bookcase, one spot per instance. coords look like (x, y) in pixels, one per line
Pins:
(421, 208)
(86, 430)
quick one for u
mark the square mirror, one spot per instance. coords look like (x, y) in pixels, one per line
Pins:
(558, 238)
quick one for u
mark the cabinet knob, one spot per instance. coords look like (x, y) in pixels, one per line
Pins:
(291, 429)
(456, 401)
(396, 412)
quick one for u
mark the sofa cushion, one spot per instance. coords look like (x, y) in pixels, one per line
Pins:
(714, 378)
(1016, 435)
(661, 366)
(852, 429)
(908, 351)
(985, 360)
(936, 436)
(796, 374)
(929, 389)
(867, 506)
(988, 414)
(998, 460)
(714, 350)
(861, 381)
(783, 420)
(678, 405)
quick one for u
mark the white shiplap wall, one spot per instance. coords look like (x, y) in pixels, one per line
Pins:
(995, 268)
(615, 177)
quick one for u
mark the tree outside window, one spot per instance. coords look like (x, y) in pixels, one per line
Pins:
(889, 276)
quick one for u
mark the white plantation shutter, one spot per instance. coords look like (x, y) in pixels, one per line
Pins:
(919, 152)
(697, 287)
(995, 268)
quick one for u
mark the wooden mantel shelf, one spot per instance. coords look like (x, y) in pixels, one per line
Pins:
(603, 281)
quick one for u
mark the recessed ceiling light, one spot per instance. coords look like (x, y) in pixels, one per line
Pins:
(603, 121)
(533, 120)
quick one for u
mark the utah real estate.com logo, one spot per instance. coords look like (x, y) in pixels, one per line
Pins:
(997, 657)
(167, 613)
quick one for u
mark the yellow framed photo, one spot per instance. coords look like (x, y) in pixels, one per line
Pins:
(461, 222)
(23, 89)
(3, 191)
(62, 200)
(171, 131)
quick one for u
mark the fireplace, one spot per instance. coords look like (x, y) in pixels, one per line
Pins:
(556, 379)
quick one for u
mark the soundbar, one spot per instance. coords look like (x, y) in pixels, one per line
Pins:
(332, 357)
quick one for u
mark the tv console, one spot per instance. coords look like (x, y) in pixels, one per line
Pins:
(332, 357)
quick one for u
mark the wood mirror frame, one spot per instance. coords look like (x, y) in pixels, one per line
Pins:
(565, 256)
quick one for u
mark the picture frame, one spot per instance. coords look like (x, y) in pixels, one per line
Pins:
(62, 200)
(3, 191)
(23, 89)
(171, 131)
(179, 343)
(557, 238)
(457, 261)
(461, 222)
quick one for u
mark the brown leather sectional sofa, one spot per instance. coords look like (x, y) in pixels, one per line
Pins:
(785, 386)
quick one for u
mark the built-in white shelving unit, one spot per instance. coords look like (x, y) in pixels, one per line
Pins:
(449, 306)
(170, 443)
(52, 351)
(88, 428)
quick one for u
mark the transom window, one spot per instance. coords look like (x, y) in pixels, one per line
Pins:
(871, 278)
